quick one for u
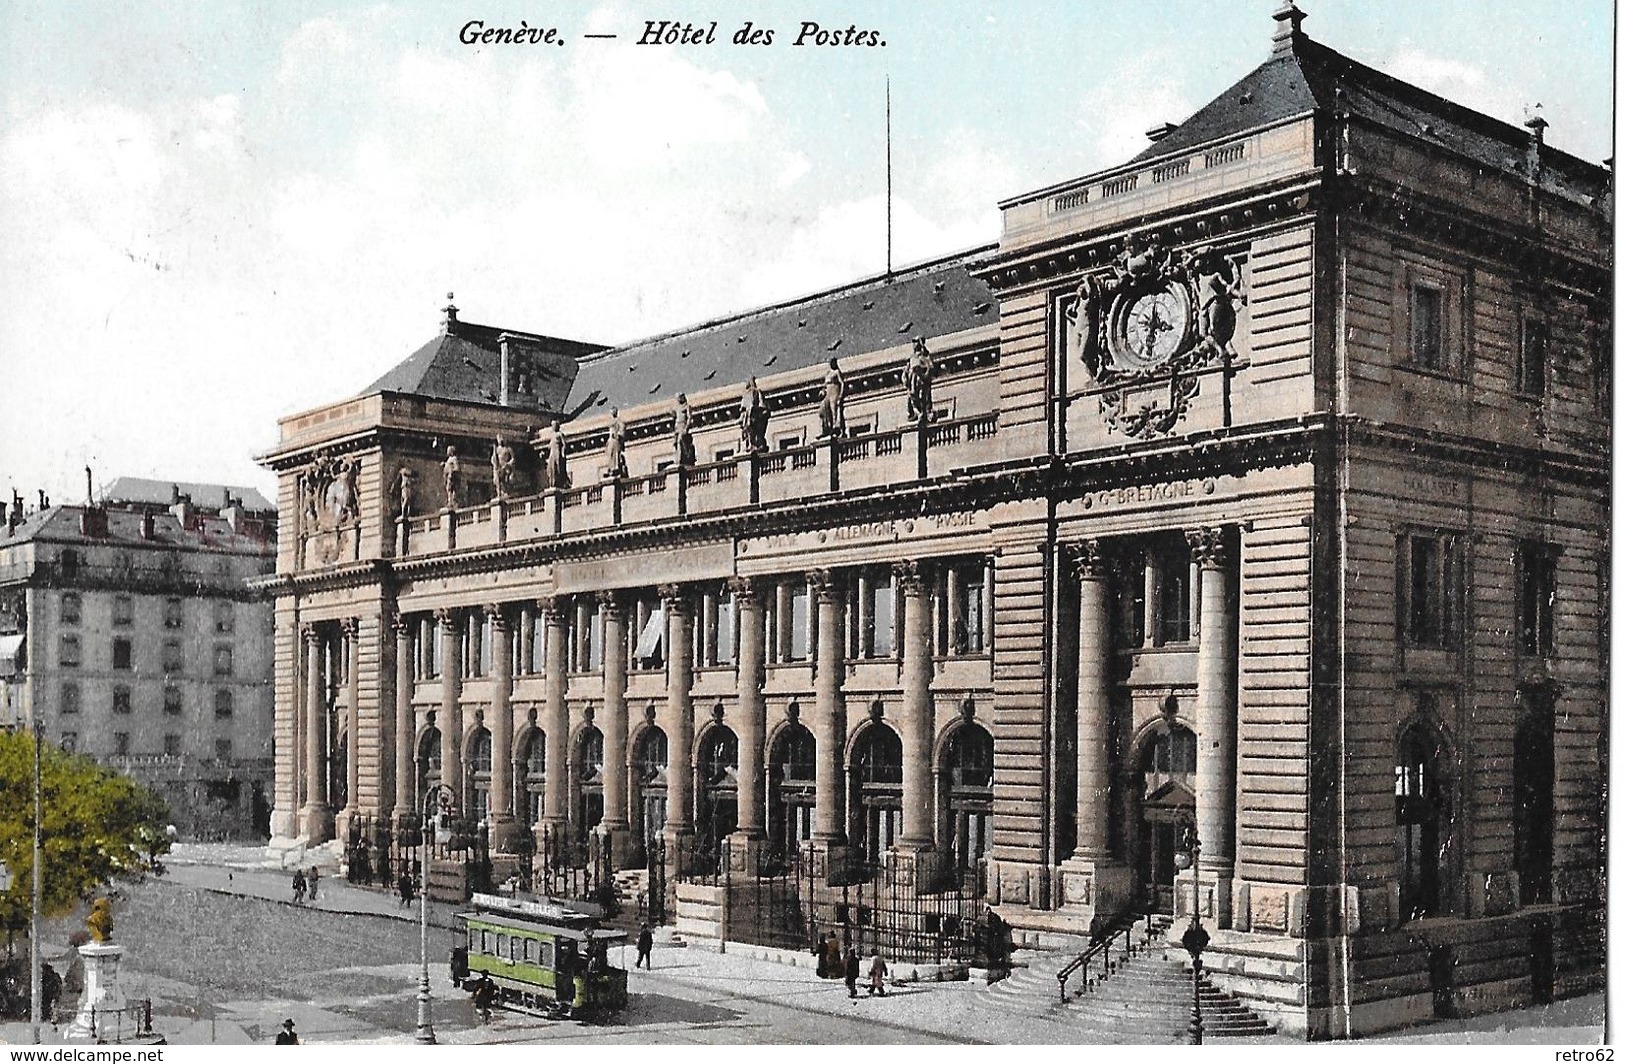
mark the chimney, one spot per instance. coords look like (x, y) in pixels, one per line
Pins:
(1537, 140)
(450, 310)
(1288, 28)
(182, 509)
(93, 521)
(174, 494)
(233, 515)
(504, 369)
(146, 525)
(1156, 133)
(44, 502)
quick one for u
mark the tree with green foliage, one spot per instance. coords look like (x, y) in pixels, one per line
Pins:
(98, 826)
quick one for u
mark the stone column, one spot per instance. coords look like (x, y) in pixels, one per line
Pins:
(1216, 700)
(404, 800)
(614, 826)
(450, 717)
(746, 843)
(351, 627)
(1092, 879)
(679, 682)
(829, 712)
(318, 814)
(918, 803)
(556, 720)
(504, 831)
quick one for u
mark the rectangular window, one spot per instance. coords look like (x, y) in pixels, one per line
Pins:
(69, 608)
(174, 613)
(972, 610)
(1532, 348)
(70, 698)
(882, 617)
(800, 620)
(68, 651)
(172, 701)
(225, 616)
(1537, 598)
(121, 699)
(223, 704)
(222, 749)
(70, 741)
(172, 745)
(1427, 326)
(121, 744)
(172, 655)
(122, 654)
(123, 610)
(725, 628)
(223, 665)
(1430, 590)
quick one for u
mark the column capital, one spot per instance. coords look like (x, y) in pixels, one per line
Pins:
(910, 578)
(825, 584)
(554, 608)
(674, 598)
(1209, 546)
(611, 603)
(501, 618)
(746, 589)
(401, 624)
(450, 620)
(312, 634)
(1087, 560)
(350, 626)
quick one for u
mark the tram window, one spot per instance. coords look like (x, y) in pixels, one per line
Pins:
(544, 953)
(513, 949)
(530, 951)
(502, 945)
(474, 936)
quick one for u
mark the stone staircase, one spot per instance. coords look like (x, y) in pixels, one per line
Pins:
(1145, 999)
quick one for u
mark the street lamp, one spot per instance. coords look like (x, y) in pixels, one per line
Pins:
(1195, 938)
(439, 799)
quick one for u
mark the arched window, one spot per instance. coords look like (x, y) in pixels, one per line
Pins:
(428, 764)
(1533, 767)
(719, 790)
(1422, 821)
(590, 778)
(534, 780)
(651, 760)
(792, 788)
(967, 784)
(877, 791)
(479, 776)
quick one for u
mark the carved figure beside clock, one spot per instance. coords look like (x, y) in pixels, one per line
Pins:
(1150, 317)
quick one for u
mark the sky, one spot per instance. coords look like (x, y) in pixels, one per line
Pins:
(216, 215)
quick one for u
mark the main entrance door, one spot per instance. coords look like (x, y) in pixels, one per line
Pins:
(1167, 800)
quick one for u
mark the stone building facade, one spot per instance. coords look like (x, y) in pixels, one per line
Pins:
(1258, 484)
(129, 631)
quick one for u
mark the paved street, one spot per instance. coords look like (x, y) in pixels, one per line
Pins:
(225, 958)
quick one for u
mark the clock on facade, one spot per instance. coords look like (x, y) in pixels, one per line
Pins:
(1151, 327)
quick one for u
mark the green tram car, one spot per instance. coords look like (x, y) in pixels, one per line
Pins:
(544, 956)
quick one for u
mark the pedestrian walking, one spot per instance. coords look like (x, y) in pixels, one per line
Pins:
(312, 880)
(485, 995)
(877, 976)
(50, 992)
(646, 943)
(298, 886)
(832, 956)
(287, 1036)
(406, 889)
(851, 968)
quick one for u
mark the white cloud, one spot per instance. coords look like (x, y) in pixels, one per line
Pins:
(1462, 83)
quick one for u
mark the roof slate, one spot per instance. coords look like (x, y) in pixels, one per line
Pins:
(465, 363)
(159, 493)
(61, 524)
(933, 299)
(1309, 75)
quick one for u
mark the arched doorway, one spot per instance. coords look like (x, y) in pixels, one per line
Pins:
(876, 791)
(589, 766)
(1167, 799)
(792, 769)
(966, 780)
(479, 776)
(532, 778)
(1421, 821)
(428, 765)
(719, 791)
(651, 761)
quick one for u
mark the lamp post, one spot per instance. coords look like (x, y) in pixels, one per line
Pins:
(1195, 938)
(438, 798)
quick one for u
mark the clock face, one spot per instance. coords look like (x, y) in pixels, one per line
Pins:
(1153, 327)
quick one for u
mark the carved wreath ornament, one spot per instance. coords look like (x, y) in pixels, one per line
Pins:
(1150, 317)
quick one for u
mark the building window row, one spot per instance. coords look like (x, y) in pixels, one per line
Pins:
(1432, 592)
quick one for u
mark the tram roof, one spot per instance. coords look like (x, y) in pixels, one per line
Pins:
(559, 930)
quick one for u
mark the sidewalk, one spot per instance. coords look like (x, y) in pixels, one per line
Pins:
(335, 894)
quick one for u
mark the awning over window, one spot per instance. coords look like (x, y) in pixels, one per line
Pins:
(11, 655)
(650, 638)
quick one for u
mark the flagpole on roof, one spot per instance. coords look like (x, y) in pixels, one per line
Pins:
(888, 175)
